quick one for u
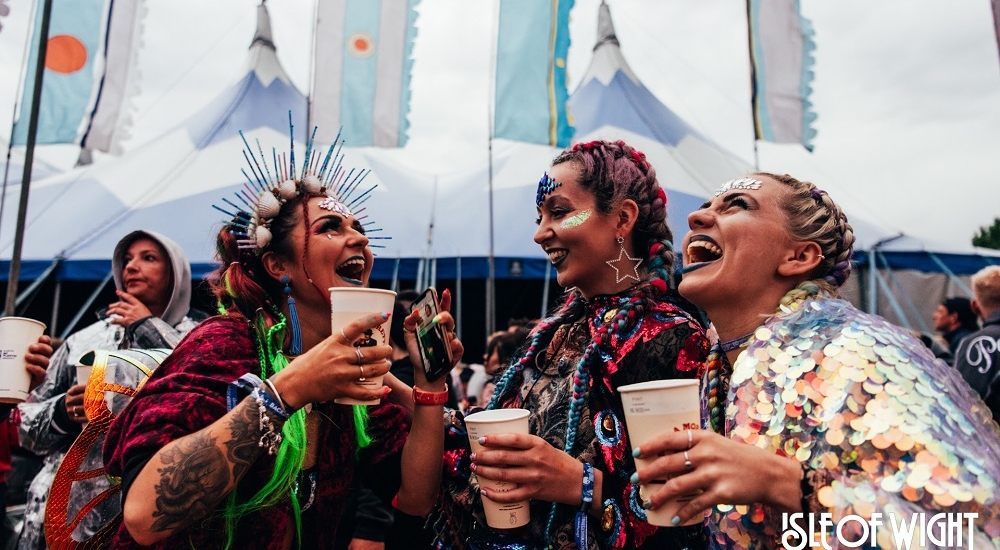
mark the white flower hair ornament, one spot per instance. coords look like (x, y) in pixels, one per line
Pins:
(260, 200)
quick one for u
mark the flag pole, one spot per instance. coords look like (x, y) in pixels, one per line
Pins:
(29, 155)
(491, 278)
(753, 86)
(13, 120)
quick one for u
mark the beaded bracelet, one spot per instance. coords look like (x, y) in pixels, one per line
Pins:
(580, 525)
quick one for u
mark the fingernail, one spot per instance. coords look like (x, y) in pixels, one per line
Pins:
(675, 521)
(647, 505)
(634, 478)
(386, 314)
(472, 457)
(636, 452)
(472, 466)
(482, 440)
(387, 390)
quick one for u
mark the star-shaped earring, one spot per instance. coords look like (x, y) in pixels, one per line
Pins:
(623, 256)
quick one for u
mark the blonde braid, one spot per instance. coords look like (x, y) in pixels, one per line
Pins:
(814, 216)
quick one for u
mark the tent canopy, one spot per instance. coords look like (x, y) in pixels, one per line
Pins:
(169, 184)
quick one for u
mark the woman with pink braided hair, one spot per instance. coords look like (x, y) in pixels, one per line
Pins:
(602, 223)
(810, 406)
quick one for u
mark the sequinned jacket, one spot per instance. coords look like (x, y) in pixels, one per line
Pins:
(881, 425)
(667, 342)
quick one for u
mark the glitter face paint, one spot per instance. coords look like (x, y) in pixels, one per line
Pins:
(747, 184)
(576, 220)
(333, 205)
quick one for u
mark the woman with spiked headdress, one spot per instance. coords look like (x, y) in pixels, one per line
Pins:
(602, 223)
(830, 413)
(204, 464)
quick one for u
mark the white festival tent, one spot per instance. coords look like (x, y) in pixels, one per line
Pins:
(438, 224)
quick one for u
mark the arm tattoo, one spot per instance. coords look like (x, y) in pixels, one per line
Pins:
(244, 432)
(193, 481)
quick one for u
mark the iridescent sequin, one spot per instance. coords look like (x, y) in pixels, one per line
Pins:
(849, 393)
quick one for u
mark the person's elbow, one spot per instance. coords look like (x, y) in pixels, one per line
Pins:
(416, 505)
(137, 518)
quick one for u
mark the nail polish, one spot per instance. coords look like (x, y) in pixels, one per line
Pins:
(675, 521)
(634, 478)
(636, 452)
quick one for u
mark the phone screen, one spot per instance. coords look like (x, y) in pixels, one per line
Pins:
(434, 350)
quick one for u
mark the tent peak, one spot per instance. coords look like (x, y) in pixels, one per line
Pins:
(607, 60)
(263, 34)
(605, 28)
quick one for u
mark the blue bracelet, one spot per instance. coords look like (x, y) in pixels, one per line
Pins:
(580, 525)
(588, 486)
(247, 383)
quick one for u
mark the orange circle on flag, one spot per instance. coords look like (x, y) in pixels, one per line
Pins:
(361, 44)
(65, 54)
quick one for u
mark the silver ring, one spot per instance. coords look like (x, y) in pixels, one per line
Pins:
(687, 462)
(362, 379)
(77, 409)
(361, 358)
(347, 340)
(690, 439)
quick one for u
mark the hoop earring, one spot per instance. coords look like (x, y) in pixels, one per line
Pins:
(624, 257)
(293, 317)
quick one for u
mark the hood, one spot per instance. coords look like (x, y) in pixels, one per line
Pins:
(180, 295)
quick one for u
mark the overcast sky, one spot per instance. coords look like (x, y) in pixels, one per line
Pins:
(907, 91)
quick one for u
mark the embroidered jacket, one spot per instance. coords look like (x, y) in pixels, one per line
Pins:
(666, 342)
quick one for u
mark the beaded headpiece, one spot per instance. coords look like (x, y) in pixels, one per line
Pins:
(263, 193)
(741, 183)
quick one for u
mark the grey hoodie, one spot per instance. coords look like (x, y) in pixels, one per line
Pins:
(180, 295)
(44, 427)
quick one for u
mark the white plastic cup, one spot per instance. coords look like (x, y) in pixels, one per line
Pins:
(16, 334)
(652, 408)
(83, 374)
(347, 304)
(499, 421)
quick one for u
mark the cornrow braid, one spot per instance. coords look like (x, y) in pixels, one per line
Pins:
(814, 216)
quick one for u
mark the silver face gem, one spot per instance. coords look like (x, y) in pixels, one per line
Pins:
(749, 184)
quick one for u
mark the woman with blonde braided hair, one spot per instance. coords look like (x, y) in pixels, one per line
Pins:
(810, 406)
(602, 223)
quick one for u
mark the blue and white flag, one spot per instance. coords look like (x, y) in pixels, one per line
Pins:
(73, 65)
(531, 95)
(781, 54)
(362, 59)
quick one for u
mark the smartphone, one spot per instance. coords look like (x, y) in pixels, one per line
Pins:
(435, 353)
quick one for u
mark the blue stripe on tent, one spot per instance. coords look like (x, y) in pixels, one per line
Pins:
(248, 105)
(647, 116)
